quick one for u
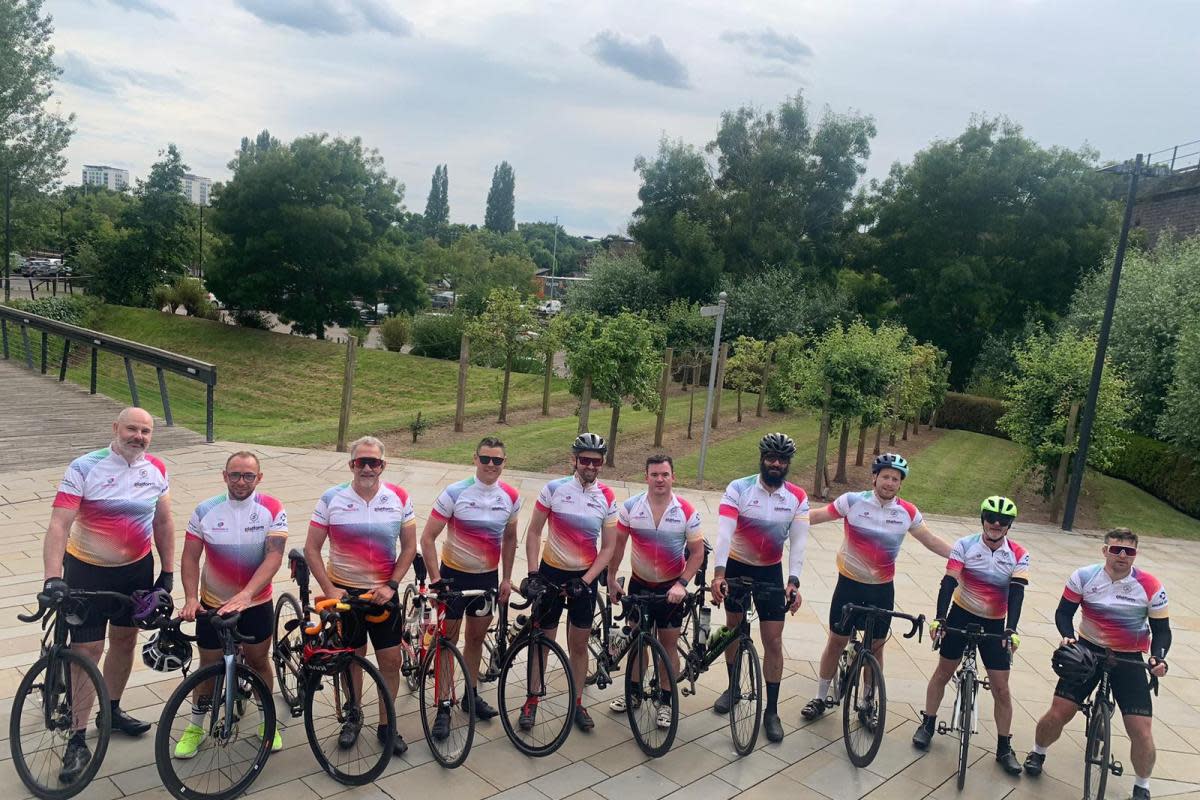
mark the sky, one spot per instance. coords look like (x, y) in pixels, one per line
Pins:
(571, 93)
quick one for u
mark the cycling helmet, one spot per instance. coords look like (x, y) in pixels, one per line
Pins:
(999, 505)
(150, 607)
(1074, 663)
(777, 444)
(167, 651)
(592, 442)
(890, 461)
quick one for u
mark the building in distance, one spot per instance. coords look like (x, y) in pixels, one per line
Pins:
(109, 177)
(197, 189)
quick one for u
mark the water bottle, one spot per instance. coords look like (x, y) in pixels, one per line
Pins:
(515, 626)
(705, 623)
(617, 640)
(716, 643)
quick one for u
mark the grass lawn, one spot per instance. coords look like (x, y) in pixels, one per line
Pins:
(961, 468)
(1121, 504)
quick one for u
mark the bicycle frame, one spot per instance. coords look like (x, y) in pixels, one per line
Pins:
(857, 645)
(1103, 702)
(968, 667)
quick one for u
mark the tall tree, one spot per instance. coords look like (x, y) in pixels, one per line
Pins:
(437, 206)
(503, 329)
(501, 200)
(252, 150)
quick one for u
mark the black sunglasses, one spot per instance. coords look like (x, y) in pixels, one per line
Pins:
(495, 460)
(997, 519)
(589, 461)
(1121, 550)
(245, 477)
(366, 461)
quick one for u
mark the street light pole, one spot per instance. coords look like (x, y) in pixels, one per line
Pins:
(717, 311)
(7, 232)
(1089, 408)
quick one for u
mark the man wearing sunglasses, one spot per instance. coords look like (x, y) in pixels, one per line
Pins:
(242, 535)
(985, 580)
(481, 515)
(582, 513)
(372, 533)
(1125, 610)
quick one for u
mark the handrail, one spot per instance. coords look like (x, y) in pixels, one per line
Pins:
(161, 360)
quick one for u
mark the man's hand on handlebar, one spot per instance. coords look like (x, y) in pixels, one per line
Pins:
(676, 593)
(720, 589)
(793, 597)
(1158, 667)
(190, 609)
(615, 590)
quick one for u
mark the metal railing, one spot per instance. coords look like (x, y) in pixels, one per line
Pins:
(163, 361)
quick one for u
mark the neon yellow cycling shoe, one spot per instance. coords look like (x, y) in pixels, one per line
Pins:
(277, 744)
(189, 742)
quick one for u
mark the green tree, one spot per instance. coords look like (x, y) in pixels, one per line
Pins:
(501, 200)
(1179, 422)
(1051, 373)
(783, 386)
(615, 283)
(252, 150)
(744, 368)
(685, 328)
(503, 329)
(437, 206)
(776, 302)
(552, 248)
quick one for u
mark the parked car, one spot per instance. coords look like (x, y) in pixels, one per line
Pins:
(549, 308)
(443, 300)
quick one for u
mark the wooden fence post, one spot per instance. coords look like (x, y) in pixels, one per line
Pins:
(546, 384)
(663, 382)
(464, 363)
(347, 393)
(823, 444)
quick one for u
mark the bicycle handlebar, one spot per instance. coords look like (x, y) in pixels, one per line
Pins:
(220, 622)
(47, 602)
(850, 609)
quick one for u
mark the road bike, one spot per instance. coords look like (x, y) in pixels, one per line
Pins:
(287, 636)
(1098, 761)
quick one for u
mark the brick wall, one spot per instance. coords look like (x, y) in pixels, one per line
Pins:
(1170, 202)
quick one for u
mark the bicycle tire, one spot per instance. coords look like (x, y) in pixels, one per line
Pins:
(864, 707)
(453, 750)
(28, 696)
(318, 731)
(410, 646)
(286, 649)
(543, 745)
(643, 698)
(967, 689)
(745, 693)
(1097, 751)
(165, 738)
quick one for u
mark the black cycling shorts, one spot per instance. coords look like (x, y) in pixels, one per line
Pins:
(580, 610)
(99, 613)
(991, 651)
(457, 607)
(848, 592)
(665, 615)
(769, 596)
(256, 622)
(1130, 685)
(383, 634)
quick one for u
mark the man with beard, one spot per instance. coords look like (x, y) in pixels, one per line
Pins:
(111, 507)
(582, 513)
(758, 514)
(876, 522)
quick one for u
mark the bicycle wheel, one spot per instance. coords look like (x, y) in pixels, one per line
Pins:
(650, 692)
(446, 698)
(205, 754)
(864, 710)
(337, 707)
(55, 698)
(966, 689)
(536, 694)
(410, 638)
(1097, 751)
(287, 647)
(746, 698)
(597, 674)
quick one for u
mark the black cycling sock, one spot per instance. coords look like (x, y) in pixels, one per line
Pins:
(116, 705)
(1003, 744)
(78, 737)
(729, 669)
(381, 731)
(928, 720)
(772, 698)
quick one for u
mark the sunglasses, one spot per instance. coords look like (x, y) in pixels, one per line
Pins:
(493, 460)
(589, 461)
(993, 518)
(245, 477)
(366, 461)
(1121, 550)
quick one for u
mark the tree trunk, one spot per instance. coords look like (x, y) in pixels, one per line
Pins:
(916, 426)
(504, 392)
(739, 404)
(762, 388)
(612, 436)
(819, 481)
(691, 411)
(862, 443)
(878, 439)
(843, 446)
(546, 384)
(904, 435)
(585, 404)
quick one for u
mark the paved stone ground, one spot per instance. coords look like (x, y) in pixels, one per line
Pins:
(809, 763)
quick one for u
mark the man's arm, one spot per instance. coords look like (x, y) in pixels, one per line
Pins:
(312, 556)
(932, 541)
(797, 542)
(608, 543)
(825, 513)
(433, 528)
(508, 555)
(533, 538)
(618, 553)
(164, 534)
(54, 548)
(1016, 598)
(262, 577)
(1064, 618)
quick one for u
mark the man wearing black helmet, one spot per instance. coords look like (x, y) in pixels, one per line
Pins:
(1125, 610)
(876, 522)
(582, 513)
(758, 515)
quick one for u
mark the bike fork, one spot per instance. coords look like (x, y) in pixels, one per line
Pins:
(230, 696)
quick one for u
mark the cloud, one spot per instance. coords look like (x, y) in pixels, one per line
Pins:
(330, 17)
(648, 61)
(78, 70)
(770, 44)
(145, 7)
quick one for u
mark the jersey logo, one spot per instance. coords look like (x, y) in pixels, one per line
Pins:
(254, 516)
(220, 523)
(142, 473)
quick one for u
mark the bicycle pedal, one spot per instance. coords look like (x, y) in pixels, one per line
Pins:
(942, 728)
(1117, 768)
(686, 692)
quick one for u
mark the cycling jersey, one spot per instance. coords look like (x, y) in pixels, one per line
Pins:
(755, 522)
(476, 515)
(363, 536)
(658, 553)
(984, 574)
(874, 533)
(234, 534)
(1117, 614)
(576, 516)
(115, 501)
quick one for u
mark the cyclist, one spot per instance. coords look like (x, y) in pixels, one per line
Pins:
(481, 513)
(1125, 610)
(372, 533)
(986, 574)
(242, 535)
(582, 513)
(875, 524)
(667, 552)
(111, 506)
(758, 514)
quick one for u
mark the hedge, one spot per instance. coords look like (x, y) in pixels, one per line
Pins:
(969, 412)
(438, 335)
(1162, 471)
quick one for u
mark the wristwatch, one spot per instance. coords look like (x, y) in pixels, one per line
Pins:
(682, 582)
(393, 585)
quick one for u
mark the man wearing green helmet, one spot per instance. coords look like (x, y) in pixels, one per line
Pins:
(986, 576)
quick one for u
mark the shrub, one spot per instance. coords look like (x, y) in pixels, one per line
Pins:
(1162, 470)
(437, 335)
(360, 332)
(72, 309)
(249, 318)
(189, 293)
(163, 296)
(969, 412)
(396, 332)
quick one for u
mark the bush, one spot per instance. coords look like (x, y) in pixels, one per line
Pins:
(396, 332)
(163, 296)
(71, 309)
(969, 412)
(190, 294)
(249, 318)
(1161, 470)
(437, 335)
(360, 332)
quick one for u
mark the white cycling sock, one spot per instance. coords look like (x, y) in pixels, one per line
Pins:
(1142, 782)
(823, 687)
(1037, 748)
